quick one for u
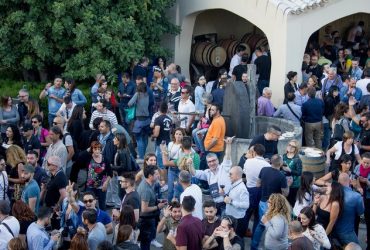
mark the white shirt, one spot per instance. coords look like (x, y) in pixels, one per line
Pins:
(235, 61)
(185, 107)
(252, 169)
(194, 191)
(338, 152)
(5, 235)
(221, 177)
(4, 184)
(239, 200)
(361, 84)
(209, 86)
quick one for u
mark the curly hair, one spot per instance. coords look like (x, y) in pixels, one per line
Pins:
(22, 211)
(17, 244)
(15, 155)
(278, 205)
(79, 241)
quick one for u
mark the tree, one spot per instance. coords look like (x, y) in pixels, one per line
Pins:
(80, 37)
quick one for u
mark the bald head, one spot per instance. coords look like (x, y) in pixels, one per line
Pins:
(353, 246)
(237, 171)
(59, 121)
(344, 179)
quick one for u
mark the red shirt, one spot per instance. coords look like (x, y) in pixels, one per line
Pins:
(190, 233)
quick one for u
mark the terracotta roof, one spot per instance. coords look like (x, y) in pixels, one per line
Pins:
(297, 7)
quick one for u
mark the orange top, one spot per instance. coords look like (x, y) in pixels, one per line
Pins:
(216, 130)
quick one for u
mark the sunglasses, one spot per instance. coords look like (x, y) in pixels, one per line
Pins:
(89, 201)
(55, 123)
(35, 121)
(49, 164)
(182, 92)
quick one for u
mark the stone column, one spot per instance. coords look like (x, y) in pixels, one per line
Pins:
(252, 92)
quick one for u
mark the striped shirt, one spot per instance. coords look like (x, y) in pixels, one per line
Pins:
(107, 115)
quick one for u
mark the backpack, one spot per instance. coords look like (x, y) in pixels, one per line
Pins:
(338, 130)
(75, 147)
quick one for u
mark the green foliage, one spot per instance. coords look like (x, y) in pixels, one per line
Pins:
(82, 37)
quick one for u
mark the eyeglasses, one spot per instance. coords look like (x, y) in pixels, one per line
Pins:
(35, 121)
(211, 160)
(182, 92)
(293, 146)
(89, 201)
(21, 96)
(49, 164)
(55, 123)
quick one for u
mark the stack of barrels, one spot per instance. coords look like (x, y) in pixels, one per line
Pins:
(217, 54)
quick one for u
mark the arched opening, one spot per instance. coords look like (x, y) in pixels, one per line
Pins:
(216, 36)
(335, 42)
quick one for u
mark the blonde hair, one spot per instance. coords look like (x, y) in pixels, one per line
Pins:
(33, 108)
(297, 146)
(15, 155)
(278, 206)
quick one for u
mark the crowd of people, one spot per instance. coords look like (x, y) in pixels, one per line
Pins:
(81, 178)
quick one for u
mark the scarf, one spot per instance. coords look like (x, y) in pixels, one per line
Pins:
(103, 140)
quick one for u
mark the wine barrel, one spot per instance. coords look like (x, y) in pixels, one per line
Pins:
(254, 40)
(313, 160)
(208, 54)
(231, 46)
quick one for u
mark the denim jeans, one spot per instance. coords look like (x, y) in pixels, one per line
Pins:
(147, 230)
(173, 176)
(159, 157)
(261, 84)
(254, 199)
(257, 234)
(326, 138)
(99, 195)
(142, 143)
(345, 238)
(199, 141)
(51, 119)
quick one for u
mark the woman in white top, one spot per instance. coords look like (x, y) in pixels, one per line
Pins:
(313, 231)
(346, 146)
(304, 194)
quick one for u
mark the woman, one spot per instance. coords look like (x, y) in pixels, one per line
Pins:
(141, 127)
(159, 88)
(340, 120)
(127, 217)
(291, 85)
(124, 239)
(33, 109)
(293, 167)
(13, 137)
(312, 230)
(41, 134)
(276, 221)
(304, 193)
(344, 147)
(79, 241)
(17, 244)
(8, 114)
(204, 122)
(68, 217)
(331, 100)
(24, 215)
(76, 95)
(16, 182)
(185, 151)
(75, 125)
(327, 206)
(108, 94)
(98, 174)
(200, 89)
(149, 159)
(340, 63)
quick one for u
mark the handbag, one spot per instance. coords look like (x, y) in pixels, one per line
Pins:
(130, 113)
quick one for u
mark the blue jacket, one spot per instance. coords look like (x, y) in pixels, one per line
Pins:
(78, 97)
(130, 90)
(313, 110)
(344, 97)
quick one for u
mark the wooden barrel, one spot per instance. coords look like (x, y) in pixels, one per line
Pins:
(314, 163)
(208, 54)
(231, 45)
(254, 40)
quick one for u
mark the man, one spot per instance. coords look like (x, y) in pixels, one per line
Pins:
(39, 175)
(224, 236)
(290, 111)
(162, 132)
(190, 232)
(173, 73)
(68, 142)
(356, 71)
(31, 192)
(55, 95)
(96, 229)
(246, 84)
(131, 197)
(362, 83)
(252, 170)
(217, 176)
(331, 80)
(269, 140)
(4, 182)
(56, 148)
(30, 141)
(102, 111)
(106, 140)
(150, 208)
(126, 90)
(9, 226)
(301, 94)
(37, 237)
(141, 69)
(351, 90)
(314, 68)
(264, 104)
(55, 190)
(299, 241)
(312, 113)
(355, 33)
(237, 199)
(364, 142)
(353, 206)
(66, 109)
(214, 140)
(211, 220)
(186, 106)
(169, 222)
(23, 96)
(263, 64)
(240, 69)
(237, 59)
(100, 78)
(271, 181)
(174, 95)
(192, 190)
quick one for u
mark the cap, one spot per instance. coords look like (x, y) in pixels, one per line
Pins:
(27, 127)
(29, 169)
(55, 160)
